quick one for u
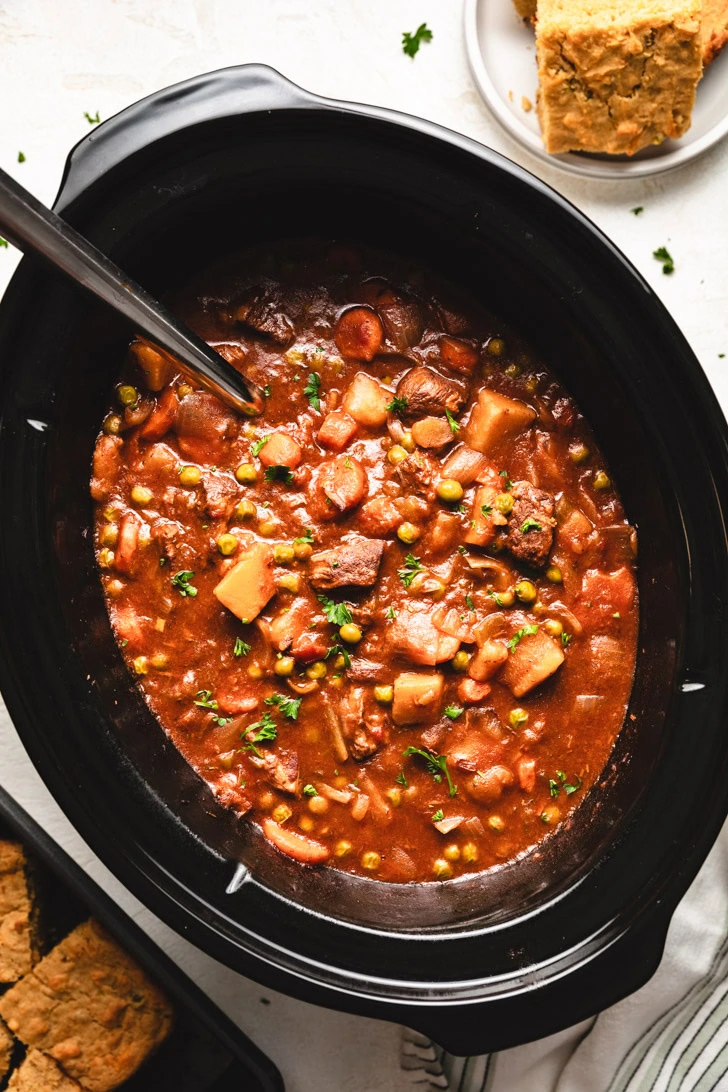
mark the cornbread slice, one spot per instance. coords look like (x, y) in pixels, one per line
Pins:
(90, 1007)
(6, 1050)
(715, 28)
(18, 950)
(526, 9)
(39, 1073)
(616, 75)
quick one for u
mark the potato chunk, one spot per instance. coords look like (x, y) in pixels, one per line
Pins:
(366, 401)
(495, 418)
(280, 449)
(533, 660)
(415, 695)
(248, 586)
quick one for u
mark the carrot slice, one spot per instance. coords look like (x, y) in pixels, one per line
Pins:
(359, 333)
(294, 845)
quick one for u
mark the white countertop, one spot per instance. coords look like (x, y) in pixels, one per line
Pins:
(61, 58)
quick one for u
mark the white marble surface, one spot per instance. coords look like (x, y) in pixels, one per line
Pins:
(63, 57)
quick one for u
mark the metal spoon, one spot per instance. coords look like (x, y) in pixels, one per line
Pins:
(29, 225)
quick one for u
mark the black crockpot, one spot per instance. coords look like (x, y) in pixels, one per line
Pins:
(241, 156)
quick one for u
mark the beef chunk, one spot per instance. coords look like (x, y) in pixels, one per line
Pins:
(221, 494)
(428, 392)
(282, 772)
(364, 733)
(261, 310)
(417, 473)
(531, 525)
(356, 561)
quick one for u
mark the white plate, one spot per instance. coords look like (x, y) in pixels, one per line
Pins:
(502, 55)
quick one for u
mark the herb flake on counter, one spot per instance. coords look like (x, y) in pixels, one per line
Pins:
(181, 581)
(241, 647)
(257, 447)
(21, 157)
(454, 426)
(312, 391)
(436, 765)
(411, 42)
(663, 255)
(278, 474)
(336, 613)
(438, 816)
(288, 706)
(453, 711)
(3, 242)
(527, 631)
(92, 119)
(397, 405)
(637, 210)
(411, 567)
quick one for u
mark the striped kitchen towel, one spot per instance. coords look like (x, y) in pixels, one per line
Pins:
(670, 1036)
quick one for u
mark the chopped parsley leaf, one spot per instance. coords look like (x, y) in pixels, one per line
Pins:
(402, 780)
(306, 538)
(278, 474)
(411, 42)
(397, 405)
(530, 524)
(125, 642)
(469, 602)
(438, 816)
(391, 614)
(565, 638)
(461, 549)
(21, 157)
(3, 242)
(163, 561)
(486, 509)
(337, 650)
(637, 210)
(241, 648)
(309, 790)
(436, 765)
(663, 255)
(454, 711)
(92, 119)
(312, 391)
(336, 613)
(256, 448)
(266, 390)
(411, 566)
(205, 700)
(507, 483)
(348, 463)
(265, 729)
(454, 426)
(527, 631)
(288, 706)
(555, 786)
(181, 581)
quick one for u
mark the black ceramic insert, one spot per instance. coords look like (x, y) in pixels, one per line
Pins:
(237, 157)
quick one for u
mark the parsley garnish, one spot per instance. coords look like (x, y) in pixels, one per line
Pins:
(530, 524)
(411, 567)
(454, 711)
(21, 157)
(266, 390)
(306, 537)
(92, 120)
(402, 780)
(411, 42)
(486, 509)
(565, 638)
(288, 706)
(454, 426)
(527, 631)
(436, 765)
(556, 786)
(662, 254)
(336, 613)
(279, 474)
(256, 448)
(397, 405)
(469, 602)
(205, 700)
(461, 549)
(309, 790)
(265, 729)
(339, 649)
(391, 614)
(507, 483)
(312, 390)
(3, 242)
(181, 581)
(637, 210)
(241, 648)
(438, 816)
(163, 561)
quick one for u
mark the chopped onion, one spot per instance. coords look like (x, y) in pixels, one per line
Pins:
(360, 806)
(587, 703)
(452, 823)
(303, 686)
(339, 796)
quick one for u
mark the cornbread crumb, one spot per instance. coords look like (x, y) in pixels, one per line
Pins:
(616, 76)
(91, 1007)
(39, 1073)
(715, 28)
(6, 1050)
(526, 105)
(18, 951)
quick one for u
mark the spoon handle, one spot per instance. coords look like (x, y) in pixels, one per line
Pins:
(29, 225)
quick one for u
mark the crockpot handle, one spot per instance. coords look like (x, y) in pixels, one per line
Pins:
(213, 96)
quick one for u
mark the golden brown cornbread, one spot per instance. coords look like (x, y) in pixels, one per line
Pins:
(616, 75)
(715, 28)
(6, 1050)
(39, 1073)
(526, 9)
(17, 944)
(90, 1007)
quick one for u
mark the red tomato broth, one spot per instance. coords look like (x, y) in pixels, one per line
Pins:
(374, 812)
